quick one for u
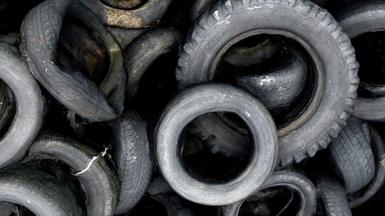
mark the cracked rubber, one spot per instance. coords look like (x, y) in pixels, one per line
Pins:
(132, 158)
(333, 198)
(195, 102)
(352, 156)
(38, 192)
(40, 33)
(292, 180)
(99, 182)
(29, 106)
(320, 35)
(357, 20)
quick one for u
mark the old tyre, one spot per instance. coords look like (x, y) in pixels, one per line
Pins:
(38, 192)
(29, 106)
(98, 181)
(215, 98)
(330, 50)
(352, 156)
(292, 180)
(333, 198)
(132, 159)
(40, 33)
(355, 21)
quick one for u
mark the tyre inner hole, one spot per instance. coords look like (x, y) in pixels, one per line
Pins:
(278, 61)
(7, 108)
(370, 53)
(278, 201)
(209, 156)
(149, 206)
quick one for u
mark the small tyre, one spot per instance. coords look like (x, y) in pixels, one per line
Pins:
(40, 33)
(38, 192)
(29, 106)
(132, 158)
(355, 21)
(352, 156)
(146, 15)
(292, 180)
(333, 198)
(215, 98)
(316, 30)
(143, 51)
(98, 181)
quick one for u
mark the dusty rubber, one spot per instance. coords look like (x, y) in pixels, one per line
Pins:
(333, 198)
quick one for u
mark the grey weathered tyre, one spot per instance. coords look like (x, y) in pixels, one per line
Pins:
(29, 106)
(38, 192)
(352, 156)
(316, 30)
(292, 180)
(333, 198)
(132, 158)
(203, 99)
(98, 181)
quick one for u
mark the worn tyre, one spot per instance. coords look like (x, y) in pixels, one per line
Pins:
(98, 181)
(333, 198)
(355, 21)
(321, 36)
(132, 158)
(215, 98)
(38, 192)
(142, 52)
(291, 180)
(352, 156)
(40, 33)
(29, 106)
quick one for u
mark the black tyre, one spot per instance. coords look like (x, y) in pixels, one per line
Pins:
(333, 198)
(355, 21)
(29, 106)
(98, 181)
(292, 180)
(39, 192)
(132, 158)
(147, 15)
(215, 98)
(40, 33)
(352, 156)
(330, 50)
(142, 52)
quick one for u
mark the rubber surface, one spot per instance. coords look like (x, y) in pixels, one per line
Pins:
(333, 198)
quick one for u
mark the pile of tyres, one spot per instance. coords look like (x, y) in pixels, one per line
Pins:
(192, 107)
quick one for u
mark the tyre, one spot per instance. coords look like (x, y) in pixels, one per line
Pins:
(7, 208)
(333, 198)
(378, 148)
(352, 156)
(132, 158)
(147, 15)
(98, 181)
(39, 192)
(29, 106)
(199, 7)
(295, 181)
(125, 36)
(329, 48)
(356, 21)
(142, 52)
(40, 33)
(215, 98)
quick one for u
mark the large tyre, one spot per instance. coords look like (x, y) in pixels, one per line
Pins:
(40, 33)
(315, 29)
(132, 158)
(99, 182)
(352, 156)
(38, 192)
(215, 98)
(147, 15)
(333, 198)
(29, 106)
(142, 52)
(355, 21)
(291, 180)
